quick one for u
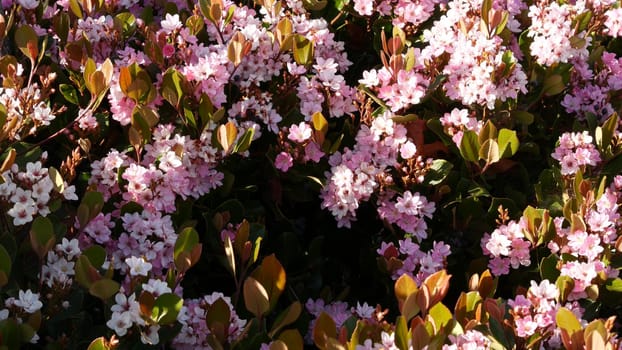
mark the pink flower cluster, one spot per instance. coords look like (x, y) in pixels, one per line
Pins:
(194, 331)
(28, 193)
(481, 69)
(402, 12)
(357, 174)
(575, 151)
(301, 148)
(147, 234)
(591, 88)
(456, 122)
(470, 340)
(408, 212)
(553, 34)
(338, 311)
(399, 90)
(535, 312)
(415, 262)
(507, 246)
(173, 166)
(588, 245)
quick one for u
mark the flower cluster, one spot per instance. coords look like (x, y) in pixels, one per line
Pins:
(194, 332)
(173, 166)
(29, 193)
(507, 246)
(482, 68)
(456, 122)
(554, 39)
(536, 311)
(592, 88)
(412, 260)
(471, 339)
(359, 173)
(575, 151)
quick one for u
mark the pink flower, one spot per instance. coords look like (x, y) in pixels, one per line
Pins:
(300, 133)
(283, 161)
(408, 150)
(168, 50)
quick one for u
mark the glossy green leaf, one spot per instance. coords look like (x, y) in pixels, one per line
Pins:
(508, 143)
(166, 308)
(567, 321)
(489, 151)
(187, 239)
(244, 142)
(437, 172)
(614, 285)
(469, 146)
(99, 344)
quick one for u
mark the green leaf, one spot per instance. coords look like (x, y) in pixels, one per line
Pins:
(303, 50)
(218, 312)
(489, 151)
(440, 314)
(508, 143)
(488, 132)
(553, 85)
(437, 172)
(166, 308)
(86, 274)
(548, 268)
(272, 277)
(172, 89)
(96, 255)
(104, 288)
(26, 40)
(99, 344)
(567, 321)
(69, 93)
(523, 117)
(244, 142)
(324, 329)
(614, 285)
(187, 239)
(125, 22)
(469, 146)
(565, 286)
(401, 333)
(42, 236)
(604, 134)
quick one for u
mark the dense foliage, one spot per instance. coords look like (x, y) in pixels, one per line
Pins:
(362, 174)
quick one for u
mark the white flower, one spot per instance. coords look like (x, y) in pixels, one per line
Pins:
(150, 335)
(22, 213)
(170, 23)
(156, 287)
(138, 266)
(4, 314)
(29, 301)
(69, 247)
(120, 322)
